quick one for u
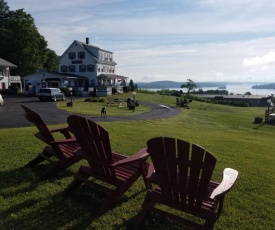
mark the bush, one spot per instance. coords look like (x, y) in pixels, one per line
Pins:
(114, 90)
(94, 99)
(91, 99)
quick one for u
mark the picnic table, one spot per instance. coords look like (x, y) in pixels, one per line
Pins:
(115, 101)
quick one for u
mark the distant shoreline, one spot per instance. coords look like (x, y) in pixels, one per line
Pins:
(231, 88)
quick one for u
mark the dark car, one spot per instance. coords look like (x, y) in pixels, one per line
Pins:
(51, 94)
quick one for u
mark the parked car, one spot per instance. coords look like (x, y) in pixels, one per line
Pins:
(51, 94)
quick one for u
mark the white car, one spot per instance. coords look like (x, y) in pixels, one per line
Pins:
(1, 100)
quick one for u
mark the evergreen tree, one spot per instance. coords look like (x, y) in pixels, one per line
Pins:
(131, 85)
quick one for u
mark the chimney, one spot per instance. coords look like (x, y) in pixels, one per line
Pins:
(87, 41)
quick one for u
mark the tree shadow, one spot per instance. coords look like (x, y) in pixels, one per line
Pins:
(260, 125)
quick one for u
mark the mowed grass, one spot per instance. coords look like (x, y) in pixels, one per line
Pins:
(227, 132)
(81, 106)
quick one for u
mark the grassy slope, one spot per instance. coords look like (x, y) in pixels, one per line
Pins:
(227, 132)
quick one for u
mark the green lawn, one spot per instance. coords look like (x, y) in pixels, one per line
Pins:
(227, 132)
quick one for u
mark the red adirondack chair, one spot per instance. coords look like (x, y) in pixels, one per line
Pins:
(64, 151)
(104, 165)
(180, 177)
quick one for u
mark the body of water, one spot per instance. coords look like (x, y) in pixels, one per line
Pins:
(232, 88)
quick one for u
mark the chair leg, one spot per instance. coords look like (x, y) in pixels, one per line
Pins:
(144, 213)
(51, 172)
(79, 179)
(209, 224)
(108, 204)
(38, 159)
(142, 216)
(220, 206)
(115, 196)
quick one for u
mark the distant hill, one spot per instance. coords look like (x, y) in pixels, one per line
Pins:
(174, 84)
(264, 86)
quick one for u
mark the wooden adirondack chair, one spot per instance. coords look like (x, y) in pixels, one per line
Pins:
(180, 177)
(114, 169)
(64, 150)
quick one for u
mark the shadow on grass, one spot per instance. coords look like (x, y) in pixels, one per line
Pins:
(38, 204)
(260, 125)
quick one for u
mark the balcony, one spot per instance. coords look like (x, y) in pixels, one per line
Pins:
(14, 79)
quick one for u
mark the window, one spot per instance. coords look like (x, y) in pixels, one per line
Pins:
(71, 68)
(72, 55)
(64, 68)
(98, 69)
(82, 68)
(90, 68)
(81, 55)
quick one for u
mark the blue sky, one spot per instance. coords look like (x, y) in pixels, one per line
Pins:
(153, 40)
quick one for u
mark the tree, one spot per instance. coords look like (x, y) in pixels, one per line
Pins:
(22, 44)
(248, 93)
(190, 85)
(131, 85)
(51, 61)
(4, 8)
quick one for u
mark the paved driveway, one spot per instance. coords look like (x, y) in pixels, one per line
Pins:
(12, 115)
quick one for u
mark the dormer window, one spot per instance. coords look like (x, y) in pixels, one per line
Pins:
(64, 68)
(72, 55)
(81, 55)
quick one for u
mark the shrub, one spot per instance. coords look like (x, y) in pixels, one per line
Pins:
(101, 99)
(114, 90)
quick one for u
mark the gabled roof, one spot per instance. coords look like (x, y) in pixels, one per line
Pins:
(87, 48)
(6, 63)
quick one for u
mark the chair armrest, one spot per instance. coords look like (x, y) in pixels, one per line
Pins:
(63, 130)
(66, 141)
(140, 155)
(229, 178)
(150, 171)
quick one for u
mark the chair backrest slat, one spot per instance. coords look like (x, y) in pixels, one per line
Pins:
(182, 169)
(94, 142)
(39, 123)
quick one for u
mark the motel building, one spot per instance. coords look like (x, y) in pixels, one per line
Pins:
(84, 67)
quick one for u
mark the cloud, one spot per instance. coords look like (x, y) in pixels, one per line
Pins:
(160, 40)
(261, 62)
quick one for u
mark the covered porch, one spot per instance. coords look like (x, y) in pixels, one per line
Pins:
(112, 80)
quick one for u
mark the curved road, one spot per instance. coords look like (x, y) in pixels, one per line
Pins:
(12, 115)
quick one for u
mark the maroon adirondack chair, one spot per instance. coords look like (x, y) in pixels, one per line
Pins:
(180, 177)
(114, 169)
(60, 153)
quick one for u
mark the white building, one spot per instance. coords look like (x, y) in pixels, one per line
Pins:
(82, 66)
(6, 80)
